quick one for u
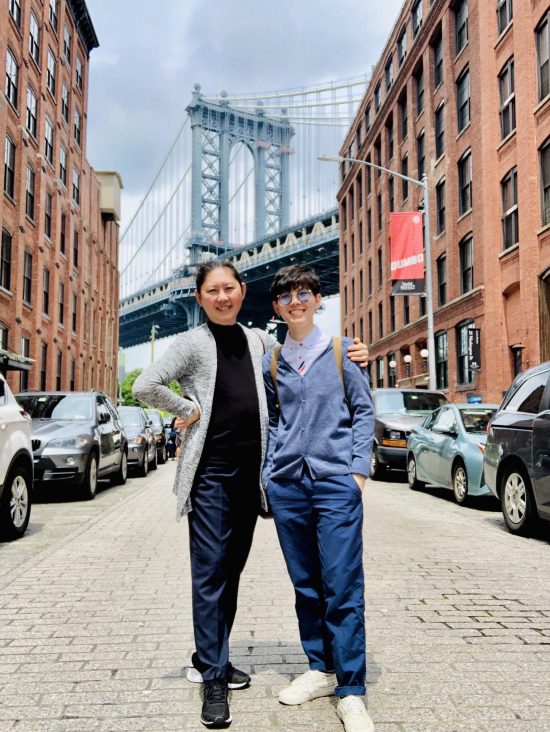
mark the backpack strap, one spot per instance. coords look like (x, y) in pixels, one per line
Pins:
(273, 370)
(339, 358)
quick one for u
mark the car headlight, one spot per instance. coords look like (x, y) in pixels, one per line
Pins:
(394, 435)
(70, 442)
(138, 440)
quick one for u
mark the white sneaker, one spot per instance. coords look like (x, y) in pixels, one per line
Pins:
(354, 715)
(308, 686)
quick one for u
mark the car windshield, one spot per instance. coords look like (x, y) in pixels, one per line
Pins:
(407, 402)
(61, 407)
(476, 420)
(156, 420)
(130, 417)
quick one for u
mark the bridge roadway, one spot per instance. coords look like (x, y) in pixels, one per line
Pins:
(171, 305)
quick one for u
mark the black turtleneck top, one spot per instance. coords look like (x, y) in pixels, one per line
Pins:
(234, 429)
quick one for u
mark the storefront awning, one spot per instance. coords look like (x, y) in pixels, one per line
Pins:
(10, 361)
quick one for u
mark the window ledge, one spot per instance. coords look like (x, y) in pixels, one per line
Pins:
(514, 250)
(466, 387)
(504, 33)
(506, 140)
(542, 104)
(462, 51)
(463, 130)
(5, 291)
(543, 229)
(464, 215)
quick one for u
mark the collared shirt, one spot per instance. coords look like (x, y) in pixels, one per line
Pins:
(301, 354)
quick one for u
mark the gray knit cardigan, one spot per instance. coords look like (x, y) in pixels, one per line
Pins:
(192, 361)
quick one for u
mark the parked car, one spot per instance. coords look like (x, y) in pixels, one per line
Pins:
(142, 448)
(77, 437)
(447, 450)
(396, 412)
(161, 438)
(517, 455)
(16, 466)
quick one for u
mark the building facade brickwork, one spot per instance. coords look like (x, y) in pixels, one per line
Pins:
(59, 282)
(462, 93)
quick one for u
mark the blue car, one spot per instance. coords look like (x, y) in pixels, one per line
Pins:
(447, 450)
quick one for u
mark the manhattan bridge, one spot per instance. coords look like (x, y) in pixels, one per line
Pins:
(241, 181)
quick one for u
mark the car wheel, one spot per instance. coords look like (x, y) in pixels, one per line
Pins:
(89, 485)
(121, 475)
(516, 499)
(144, 467)
(154, 463)
(163, 457)
(414, 483)
(460, 484)
(15, 506)
(377, 471)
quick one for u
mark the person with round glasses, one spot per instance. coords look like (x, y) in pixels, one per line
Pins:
(223, 409)
(321, 427)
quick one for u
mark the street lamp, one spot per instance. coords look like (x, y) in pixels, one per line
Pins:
(427, 248)
(392, 366)
(408, 358)
(424, 353)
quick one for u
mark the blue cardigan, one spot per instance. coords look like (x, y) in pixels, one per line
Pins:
(315, 425)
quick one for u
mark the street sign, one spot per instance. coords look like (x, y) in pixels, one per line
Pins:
(474, 349)
(407, 253)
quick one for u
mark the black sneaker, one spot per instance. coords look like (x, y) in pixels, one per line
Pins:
(215, 706)
(236, 679)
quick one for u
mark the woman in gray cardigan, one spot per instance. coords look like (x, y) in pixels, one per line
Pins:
(223, 408)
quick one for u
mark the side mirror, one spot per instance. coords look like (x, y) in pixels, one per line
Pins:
(104, 417)
(149, 423)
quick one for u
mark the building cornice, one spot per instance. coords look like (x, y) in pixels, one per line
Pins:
(83, 24)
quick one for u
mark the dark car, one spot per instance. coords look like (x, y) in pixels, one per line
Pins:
(517, 454)
(77, 437)
(396, 412)
(142, 448)
(157, 423)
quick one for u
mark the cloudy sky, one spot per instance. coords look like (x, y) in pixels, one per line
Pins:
(152, 52)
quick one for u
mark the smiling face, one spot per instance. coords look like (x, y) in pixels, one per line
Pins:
(298, 314)
(221, 295)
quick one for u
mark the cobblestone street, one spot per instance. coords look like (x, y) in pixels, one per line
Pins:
(95, 619)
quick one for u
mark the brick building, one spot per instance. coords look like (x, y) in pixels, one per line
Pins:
(59, 219)
(462, 92)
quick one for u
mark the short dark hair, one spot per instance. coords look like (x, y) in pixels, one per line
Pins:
(211, 265)
(294, 277)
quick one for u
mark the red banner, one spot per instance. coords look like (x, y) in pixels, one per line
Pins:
(407, 253)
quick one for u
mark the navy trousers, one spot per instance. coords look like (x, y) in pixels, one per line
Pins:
(319, 523)
(226, 503)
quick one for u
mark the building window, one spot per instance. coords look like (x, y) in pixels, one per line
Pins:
(422, 303)
(465, 183)
(461, 25)
(72, 375)
(32, 112)
(63, 233)
(392, 313)
(377, 100)
(388, 73)
(441, 359)
(48, 141)
(9, 167)
(504, 15)
(78, 74)
(391, 194)
(440, 205)
(380, 268)
(76, 186)
(389, 137)
(5, 260)
(15, 11)
(463, 100)
(61, 304)
(371, 331)
(53, 14)
(510, 222)
(359, 188)
(29, 193)
(543, 56)
(25, 351)
(419, 82)
(438, 61)
(406, 310)
(464, 375)
(439, 124)
(402, 47)
(63, 165)
(545, 181)
(58, 370)
(46, 291)
(48, 215)
(12, 78)
(43, 366)
(380, 321)
(75, 249)
(405, 183)
(27, 277)
(441, 279)
(67, 44)
(367, 118)
(367, 173)
(466, 251)
(358, 138)
(34, 39)
(420, 155)
(74, 311)
(403, 116)
(416, 14)
(65, 102)
(517, 359)
(50, 72)
(379, 372)
(369, 225)
(77, 127)
(379, 211)
(369, 277)
(507, 99)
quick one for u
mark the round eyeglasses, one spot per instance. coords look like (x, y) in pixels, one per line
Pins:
(303, 296)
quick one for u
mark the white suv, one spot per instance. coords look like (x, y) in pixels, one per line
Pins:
(16, 466)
